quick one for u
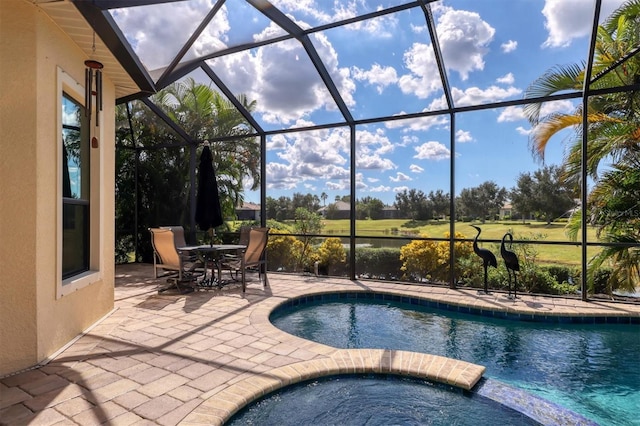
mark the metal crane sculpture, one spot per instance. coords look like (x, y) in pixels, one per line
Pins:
(511, 262)
(488, 258)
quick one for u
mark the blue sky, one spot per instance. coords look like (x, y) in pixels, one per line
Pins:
(492, 49)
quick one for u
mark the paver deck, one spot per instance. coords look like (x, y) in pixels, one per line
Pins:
(197, 358)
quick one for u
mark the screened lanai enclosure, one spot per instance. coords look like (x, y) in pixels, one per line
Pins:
(369, 135)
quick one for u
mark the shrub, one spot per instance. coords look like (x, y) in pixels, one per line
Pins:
(563, 273)
(429, 260)
(283, 251)
(601, 283)
(330, 254)
(382, 263)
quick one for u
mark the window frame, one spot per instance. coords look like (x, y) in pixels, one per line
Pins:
(67, 85)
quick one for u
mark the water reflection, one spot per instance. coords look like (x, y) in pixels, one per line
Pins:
(588, 368)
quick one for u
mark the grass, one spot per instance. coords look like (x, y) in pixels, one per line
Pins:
(546, 254)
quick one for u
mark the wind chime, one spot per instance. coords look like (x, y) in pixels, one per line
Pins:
(93, 77)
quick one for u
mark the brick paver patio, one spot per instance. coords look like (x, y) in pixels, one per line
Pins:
(195, 359)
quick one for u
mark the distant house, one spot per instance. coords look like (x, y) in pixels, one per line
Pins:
(248, 211)
(337, 210)
(390, 212)
(506, 211)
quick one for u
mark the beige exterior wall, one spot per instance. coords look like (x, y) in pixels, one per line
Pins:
(34, 321)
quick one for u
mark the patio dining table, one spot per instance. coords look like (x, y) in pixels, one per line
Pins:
(210, 254)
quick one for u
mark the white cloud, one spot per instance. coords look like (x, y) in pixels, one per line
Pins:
(269, 32)
(308, 157)
(464, 38)
(424, 78)
(380, 188)
(511, 113)
(158, 33)
(432, 151)
(506, 79)
(522, 131)
(377, 76)
(400, 177)
(280, 176)
(565, 106)
(294, 91)
(509, 46)
(374, 162)
(516, 113)
(380, 27)
(398, 189)
(409, 140)
(415, 168)
(325, 12)
(417, 124)
(566, 20)
(376, 142)
(418, 29)
(463, 136)
(477, 96)
(276, 142)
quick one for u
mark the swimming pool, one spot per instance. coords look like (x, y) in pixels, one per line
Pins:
(592, 369)
(375, 400)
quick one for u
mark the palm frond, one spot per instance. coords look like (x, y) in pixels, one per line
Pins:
(554, 80)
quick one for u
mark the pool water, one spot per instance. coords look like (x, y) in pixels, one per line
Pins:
(375, 400)
(591, 369)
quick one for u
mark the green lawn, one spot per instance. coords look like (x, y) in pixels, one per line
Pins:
(556, 232)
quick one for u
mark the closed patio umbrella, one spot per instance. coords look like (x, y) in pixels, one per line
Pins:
(208, 210)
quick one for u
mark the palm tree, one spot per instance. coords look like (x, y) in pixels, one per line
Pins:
(613, 139)
(163, 162)
(206, 115)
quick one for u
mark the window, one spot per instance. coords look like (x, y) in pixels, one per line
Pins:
(75, 188)
(80, 205)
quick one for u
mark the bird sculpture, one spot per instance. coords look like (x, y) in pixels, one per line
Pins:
(488, 258)
(511, 262)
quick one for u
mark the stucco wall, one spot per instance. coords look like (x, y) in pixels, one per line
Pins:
(33, 323)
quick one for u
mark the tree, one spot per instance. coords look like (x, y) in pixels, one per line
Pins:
(613, 133)
(307, 224)
(413, 204)
(522, 195)
(545, 193)
(324, 197)
(482, 201)
(163, 165)
(280, 209)
(369, 207)
(332, 211)
(440, 202)
(206, 115)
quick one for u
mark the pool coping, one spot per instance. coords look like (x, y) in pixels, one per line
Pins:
(511, 313)
(224, 404)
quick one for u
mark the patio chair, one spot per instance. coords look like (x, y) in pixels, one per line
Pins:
(167, 258)
(253, 257)
(180, 241)
(178, 235)
(243, 241)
